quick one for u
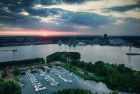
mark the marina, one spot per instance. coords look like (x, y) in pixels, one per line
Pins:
(69, 46)
(58, 74)
(37, 85)
(44, 82)
(48, 78)
(64, 79)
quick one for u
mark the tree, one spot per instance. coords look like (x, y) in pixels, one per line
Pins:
(16, 71)
(4, 73)
(9, 87)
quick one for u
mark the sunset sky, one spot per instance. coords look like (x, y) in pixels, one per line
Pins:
(70, 17)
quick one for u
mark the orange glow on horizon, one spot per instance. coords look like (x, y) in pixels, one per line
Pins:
(36, 32)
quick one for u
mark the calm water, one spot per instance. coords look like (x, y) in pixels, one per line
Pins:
(109, 54)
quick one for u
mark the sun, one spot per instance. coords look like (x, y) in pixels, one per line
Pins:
(44, 34)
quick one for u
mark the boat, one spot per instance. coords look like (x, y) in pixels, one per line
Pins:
(15, 50)
(63, 78)
(37, 85)
(46, 67)
(51, 80)
(21, 84)
(132, 53)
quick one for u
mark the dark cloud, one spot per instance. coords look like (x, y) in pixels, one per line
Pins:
(18, 21)
(124, 8)
(66, 20)
(10, 14)
(73, 1)
(16, 5)
(86, 18)
(12, 8)
(132, 20)
(44, 12)
(26, 3)
(49, 2)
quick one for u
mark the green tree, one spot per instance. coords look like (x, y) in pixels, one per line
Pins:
(11, 87)
(16, 71)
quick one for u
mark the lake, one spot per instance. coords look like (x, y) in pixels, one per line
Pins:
(108, 54)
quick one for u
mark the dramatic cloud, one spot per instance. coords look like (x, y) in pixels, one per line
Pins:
(91, 16)
(125, 8)
(86, 19)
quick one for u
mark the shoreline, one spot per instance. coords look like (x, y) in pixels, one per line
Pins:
(42, 43)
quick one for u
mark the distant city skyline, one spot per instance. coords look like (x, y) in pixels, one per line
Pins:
(69, 17)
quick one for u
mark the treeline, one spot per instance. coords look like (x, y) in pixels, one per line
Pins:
(117, 76)
(22, 62)
(74, 91)
(15, 72)
(63, 56)
(9, 87)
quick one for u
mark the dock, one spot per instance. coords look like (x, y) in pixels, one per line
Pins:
(37, 85)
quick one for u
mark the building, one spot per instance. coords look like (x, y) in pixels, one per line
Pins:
(105, 35)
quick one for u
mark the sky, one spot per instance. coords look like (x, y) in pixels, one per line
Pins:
(70, 17)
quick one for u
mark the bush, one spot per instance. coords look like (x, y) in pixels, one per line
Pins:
(9, 87)
(74, 91)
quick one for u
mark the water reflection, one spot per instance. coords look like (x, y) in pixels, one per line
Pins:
(108, 54)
